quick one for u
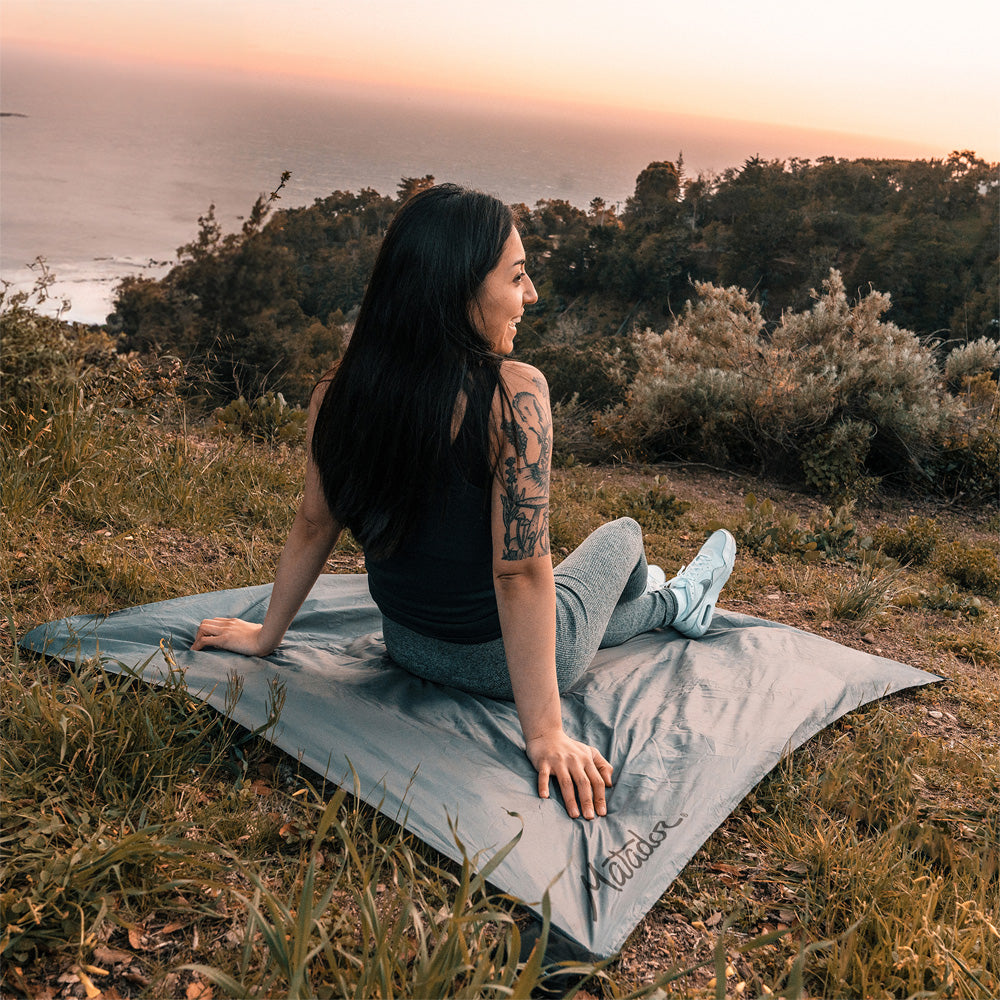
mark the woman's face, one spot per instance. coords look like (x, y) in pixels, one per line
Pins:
(500, 301)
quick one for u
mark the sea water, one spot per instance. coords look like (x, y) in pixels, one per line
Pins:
(106, 169)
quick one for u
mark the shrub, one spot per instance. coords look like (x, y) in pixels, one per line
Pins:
(978, 357)
(834, 531)
(834, 461)
(269, 418)
(688, 394)
(48, 366)
(944, 598)
(655, 509)
(979, 644)
(974, 567)
(36, 362)
(574, 439)
(969, 463)
(913, 544)
(578, 508)
(594, 375)
(834, 391)
(763, 531)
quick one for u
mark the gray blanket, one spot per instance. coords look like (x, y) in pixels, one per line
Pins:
(689, 726)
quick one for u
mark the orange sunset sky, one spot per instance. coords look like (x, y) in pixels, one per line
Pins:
(914, 72)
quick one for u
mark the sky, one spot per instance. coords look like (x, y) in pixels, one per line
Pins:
(925, 73)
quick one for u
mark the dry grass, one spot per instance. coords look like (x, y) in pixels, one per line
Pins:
(866, 596)
(881, 837)
(874, 849)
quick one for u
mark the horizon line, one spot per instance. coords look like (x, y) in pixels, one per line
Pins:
(431, 94)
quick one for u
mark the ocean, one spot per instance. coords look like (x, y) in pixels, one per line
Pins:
(104, 170)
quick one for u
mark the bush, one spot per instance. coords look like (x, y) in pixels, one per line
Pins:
(763, 531)
(943, 598)
(269, 418)
(978, 357)
(834, 531)
(574, 439)
(834, 461)
(979, 645)
(36, 363)
(688, 395)
(968, 465)
(48, 365)
(913, 544)
(834, 392)
(655, 509)
(974, 567)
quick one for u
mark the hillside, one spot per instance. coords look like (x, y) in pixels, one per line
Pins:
(881, 837)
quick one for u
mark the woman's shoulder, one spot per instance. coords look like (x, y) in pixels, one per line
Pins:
(518, 376)
(320, 389)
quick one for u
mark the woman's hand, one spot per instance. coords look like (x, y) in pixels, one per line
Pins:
(579, 770)
(233, 634)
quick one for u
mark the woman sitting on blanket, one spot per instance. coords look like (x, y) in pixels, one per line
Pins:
(434, 449)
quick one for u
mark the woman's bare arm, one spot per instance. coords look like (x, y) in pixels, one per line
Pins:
(526, 598)
(310, 541)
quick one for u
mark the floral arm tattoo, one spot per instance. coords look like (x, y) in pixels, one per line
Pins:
(525, 501)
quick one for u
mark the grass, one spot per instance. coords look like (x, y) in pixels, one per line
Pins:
(857, 853)
(367, 916)
(151, 848)
(866, 596)
(97, 779)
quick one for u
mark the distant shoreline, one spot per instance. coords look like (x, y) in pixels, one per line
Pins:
(12, 114)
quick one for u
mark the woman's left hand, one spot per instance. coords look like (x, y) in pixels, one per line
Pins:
(233, 634)
(579, 770)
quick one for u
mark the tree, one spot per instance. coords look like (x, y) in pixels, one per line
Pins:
(657, 190)
(757, 231)
(409, 186)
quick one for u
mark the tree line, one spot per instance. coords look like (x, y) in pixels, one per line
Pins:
(270, 306)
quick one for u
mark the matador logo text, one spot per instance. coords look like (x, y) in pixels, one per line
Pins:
(621, 865)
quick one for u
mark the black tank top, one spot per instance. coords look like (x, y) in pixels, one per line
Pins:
(439, 582)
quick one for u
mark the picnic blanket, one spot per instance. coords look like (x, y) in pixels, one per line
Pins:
(690, 726)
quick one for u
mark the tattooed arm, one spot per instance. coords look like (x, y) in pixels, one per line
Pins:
(527, 440)
(526, 596)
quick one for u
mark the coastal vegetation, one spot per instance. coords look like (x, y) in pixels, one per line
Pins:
(274, 300)
(849, 440)
(834, 321)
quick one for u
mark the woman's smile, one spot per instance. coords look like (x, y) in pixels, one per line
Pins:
(499, 306)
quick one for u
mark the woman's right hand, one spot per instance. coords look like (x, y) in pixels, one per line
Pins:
(233, 634)
(579, 770)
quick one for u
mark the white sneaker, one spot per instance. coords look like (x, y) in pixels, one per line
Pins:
(698, 584)
(655, 578)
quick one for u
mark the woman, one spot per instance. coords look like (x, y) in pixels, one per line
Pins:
(434, 449)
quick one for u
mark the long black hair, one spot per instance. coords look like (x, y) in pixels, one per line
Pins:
(383, 434)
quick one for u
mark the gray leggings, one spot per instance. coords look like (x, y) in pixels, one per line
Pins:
(601, 600)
